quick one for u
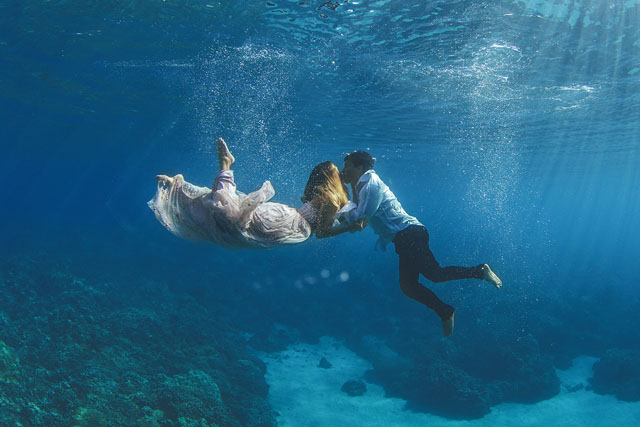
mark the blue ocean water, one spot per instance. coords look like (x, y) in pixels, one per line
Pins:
(511, 129)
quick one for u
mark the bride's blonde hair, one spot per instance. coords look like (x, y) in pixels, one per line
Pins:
(324, 182)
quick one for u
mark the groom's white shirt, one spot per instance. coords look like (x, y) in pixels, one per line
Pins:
(381, 208)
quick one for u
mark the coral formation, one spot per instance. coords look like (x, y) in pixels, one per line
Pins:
(618, 373)
(82, 353)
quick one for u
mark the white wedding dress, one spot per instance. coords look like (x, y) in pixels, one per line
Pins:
(228, 217)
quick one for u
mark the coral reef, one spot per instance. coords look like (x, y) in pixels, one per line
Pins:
(81, 353)
(460, 378)
(618, 373)
(98, 344)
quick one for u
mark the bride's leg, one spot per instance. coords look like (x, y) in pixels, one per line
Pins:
(225, 158)
(225, 176)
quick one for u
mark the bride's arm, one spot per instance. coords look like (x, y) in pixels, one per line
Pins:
(325, 226)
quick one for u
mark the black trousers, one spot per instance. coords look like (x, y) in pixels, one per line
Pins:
(412, 246)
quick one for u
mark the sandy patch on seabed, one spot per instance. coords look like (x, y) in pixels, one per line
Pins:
(304, 394)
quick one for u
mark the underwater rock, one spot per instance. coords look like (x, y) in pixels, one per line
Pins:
(516, 370)
(463, 380)
(535, 382)
(445, 390)
(245, 372)
(324, 364)
(354, 388)
(531, 378)
(618, 373)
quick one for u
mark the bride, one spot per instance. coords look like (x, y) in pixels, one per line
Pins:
(235, 220)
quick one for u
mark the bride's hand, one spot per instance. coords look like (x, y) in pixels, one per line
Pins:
(358, 225)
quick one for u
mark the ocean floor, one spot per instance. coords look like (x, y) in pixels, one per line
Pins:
(305, 394)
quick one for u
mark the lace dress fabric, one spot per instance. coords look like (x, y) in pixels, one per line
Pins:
(226, 216)
(310, 214)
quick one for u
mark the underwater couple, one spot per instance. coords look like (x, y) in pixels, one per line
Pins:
(235, 220)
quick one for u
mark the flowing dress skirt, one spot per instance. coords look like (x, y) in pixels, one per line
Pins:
(226, 216)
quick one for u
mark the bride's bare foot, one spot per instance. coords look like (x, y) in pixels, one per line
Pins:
(164, 180)
(491, 277)
(225, 158)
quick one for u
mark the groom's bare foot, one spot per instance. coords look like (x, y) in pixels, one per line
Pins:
(491, 277)
(225, 158)
(447, 325)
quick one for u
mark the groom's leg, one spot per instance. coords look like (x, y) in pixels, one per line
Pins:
(431, 269)
(410, 257)
(409, 275)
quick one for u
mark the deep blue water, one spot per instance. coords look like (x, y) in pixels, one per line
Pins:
(510, 129)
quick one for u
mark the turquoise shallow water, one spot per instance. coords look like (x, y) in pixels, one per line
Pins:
(510, 129)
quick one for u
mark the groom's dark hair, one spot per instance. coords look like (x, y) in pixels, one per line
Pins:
(361, 159)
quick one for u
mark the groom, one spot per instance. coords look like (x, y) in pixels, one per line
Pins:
(377, 204)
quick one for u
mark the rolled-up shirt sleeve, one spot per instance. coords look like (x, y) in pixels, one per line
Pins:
(369, 199)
